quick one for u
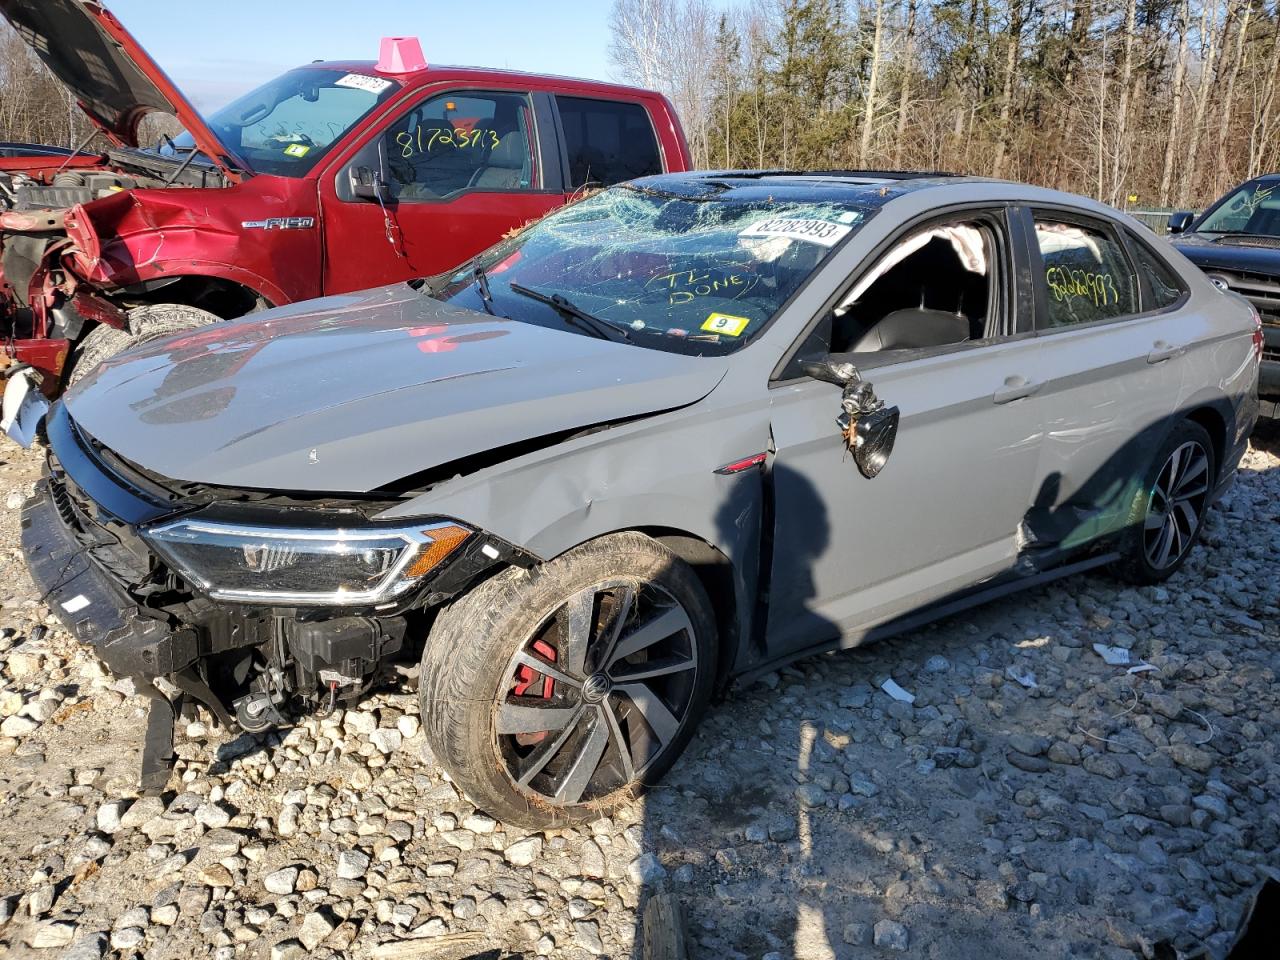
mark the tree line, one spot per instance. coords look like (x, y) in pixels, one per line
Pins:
(1167, 101)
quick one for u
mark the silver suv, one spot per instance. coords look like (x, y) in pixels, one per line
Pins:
(681, 432)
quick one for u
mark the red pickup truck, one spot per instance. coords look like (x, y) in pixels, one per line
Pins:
(332, 177)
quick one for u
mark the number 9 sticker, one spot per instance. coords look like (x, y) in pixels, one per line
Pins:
(726, 323)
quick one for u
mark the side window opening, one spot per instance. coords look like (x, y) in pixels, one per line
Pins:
(1086, 275)
(607, 141)
(934, 288)
(455, 142)
(1166, 289)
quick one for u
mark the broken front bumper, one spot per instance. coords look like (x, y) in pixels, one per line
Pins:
(90, 604)
(93, 607)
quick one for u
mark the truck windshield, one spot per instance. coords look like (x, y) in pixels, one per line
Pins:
(1251, 209)
(688, 274)
(285, 126)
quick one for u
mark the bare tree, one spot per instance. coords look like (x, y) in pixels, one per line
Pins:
(904, 90)
(1228, 95)
(1120, 152)
(869, 103)
(1174, 128)
(642, 31)
(1260, 134)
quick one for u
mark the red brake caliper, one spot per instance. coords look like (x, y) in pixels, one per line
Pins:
(527, 676)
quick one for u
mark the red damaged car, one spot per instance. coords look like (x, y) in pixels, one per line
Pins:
(335, 176)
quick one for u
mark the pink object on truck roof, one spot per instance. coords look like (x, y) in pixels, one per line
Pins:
(401, 55)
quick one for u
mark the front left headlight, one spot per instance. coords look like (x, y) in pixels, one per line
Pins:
(339, 567)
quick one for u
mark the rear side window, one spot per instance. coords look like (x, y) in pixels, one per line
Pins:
(1085, 272)
(1166, 289)
(607, 141)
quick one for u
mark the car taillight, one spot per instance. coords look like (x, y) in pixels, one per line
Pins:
(1258, 338)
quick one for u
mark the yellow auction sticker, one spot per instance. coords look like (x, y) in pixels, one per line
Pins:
(297, 149)
(726, 323)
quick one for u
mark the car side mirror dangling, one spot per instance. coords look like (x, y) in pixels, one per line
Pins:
(868, 426)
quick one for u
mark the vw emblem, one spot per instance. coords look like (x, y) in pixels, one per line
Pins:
(596, 688)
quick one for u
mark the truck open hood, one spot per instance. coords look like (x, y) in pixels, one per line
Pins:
(111, 76)
(352, 393)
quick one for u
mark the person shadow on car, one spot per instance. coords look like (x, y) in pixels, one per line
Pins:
(700, 808)
(813, 903)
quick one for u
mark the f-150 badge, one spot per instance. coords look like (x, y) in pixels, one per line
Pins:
(280, 223)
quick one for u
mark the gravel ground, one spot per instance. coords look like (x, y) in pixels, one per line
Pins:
(1034, 800)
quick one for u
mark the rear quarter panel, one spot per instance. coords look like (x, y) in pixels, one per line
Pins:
(1221, 368)
(1221, 365)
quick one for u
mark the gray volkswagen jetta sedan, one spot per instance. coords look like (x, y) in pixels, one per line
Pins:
(683, 431)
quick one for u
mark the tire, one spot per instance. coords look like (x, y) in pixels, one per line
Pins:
(142, 325)
(1159, 539)
(619, 701)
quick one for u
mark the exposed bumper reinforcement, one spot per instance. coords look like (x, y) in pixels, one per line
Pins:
(98, 612)
(157, 745)
(91, 605)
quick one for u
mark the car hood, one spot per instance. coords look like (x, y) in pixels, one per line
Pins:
(108, 72)
(352, 393)
(1229, 255)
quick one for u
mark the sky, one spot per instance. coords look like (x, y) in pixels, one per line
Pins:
(255, 40)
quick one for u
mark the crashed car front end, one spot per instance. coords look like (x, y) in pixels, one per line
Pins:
(164, 582)
(71, 255)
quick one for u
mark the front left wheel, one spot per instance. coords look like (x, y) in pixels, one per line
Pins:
(552, 696)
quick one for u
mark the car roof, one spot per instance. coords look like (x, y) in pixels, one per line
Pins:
(864, 188)
(442, 71)
(861, 187)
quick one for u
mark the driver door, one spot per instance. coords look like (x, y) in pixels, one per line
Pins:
(851, 552)
(461, 167)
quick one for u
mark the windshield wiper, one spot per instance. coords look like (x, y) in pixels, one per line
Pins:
(598, 326)
(486, 295)
(1243, 233)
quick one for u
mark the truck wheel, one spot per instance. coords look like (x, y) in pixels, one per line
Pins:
(142, 324)
(1168, 512)
(552, 696)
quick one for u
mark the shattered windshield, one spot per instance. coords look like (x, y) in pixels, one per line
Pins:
(285, 126)
(1252, 209)
(688, 274)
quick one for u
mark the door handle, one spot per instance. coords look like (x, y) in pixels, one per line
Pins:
(1162, 350)
(1015, 388)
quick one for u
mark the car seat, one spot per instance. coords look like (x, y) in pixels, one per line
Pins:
(507, 165)
(914, 328)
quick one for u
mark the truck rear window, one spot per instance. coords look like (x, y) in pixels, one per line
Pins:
(607, 141)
